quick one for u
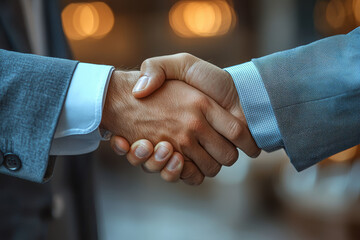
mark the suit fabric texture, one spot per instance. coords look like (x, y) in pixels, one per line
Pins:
(314, 91)
(32, 91)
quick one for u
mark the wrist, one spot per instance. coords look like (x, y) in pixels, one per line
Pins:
(112, 96)
(119, 100)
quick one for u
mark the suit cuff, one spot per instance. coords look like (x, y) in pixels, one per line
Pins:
(78, 131)
(257, 106)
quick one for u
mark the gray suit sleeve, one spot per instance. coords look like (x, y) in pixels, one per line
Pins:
(315, 94)
(32, 93)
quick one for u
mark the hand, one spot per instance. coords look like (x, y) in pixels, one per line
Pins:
(187, 170)
(170, 166)
(211, 80)
(189, 120)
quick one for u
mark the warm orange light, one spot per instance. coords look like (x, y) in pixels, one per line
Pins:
(335, 14)
(67, 17)
(345, 155)
(356, 7)
(176, 20)
(86, 20)
(82, 20)
(228, 17)
(201, 18)
(106, 17)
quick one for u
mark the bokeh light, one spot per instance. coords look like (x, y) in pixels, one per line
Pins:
(107, 19)
(202, 18)
(83, 20)
(335, 14)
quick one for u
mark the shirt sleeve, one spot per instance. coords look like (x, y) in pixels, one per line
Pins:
(78, 130)
(257, 106)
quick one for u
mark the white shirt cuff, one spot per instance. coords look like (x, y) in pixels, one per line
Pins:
(78, 131)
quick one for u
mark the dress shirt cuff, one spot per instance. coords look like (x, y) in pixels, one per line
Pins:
(78, 130)
(257, 106)
(75, 144)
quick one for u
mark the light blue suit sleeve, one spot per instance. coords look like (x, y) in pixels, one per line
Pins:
(305, 99)
(314, 92)
(256, 105)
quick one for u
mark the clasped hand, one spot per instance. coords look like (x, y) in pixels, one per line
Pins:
(188, 107)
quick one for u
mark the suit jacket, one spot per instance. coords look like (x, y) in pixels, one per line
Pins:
(314, 91)
(32, 92)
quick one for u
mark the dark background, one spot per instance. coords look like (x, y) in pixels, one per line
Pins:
(255, 199)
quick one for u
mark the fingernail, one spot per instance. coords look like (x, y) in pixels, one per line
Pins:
(141, 84)
(141, 152)
(161, 153)
(119, 150)
(173, 164)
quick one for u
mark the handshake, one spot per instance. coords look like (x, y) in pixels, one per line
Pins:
(187, 107)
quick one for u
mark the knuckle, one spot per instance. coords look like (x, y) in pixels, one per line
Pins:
(201, 101)
(190, 171)
(213, 170)
(231, 157)
(185, 55)
(188, 62)
(146, 63)
(236, 130)
(196, 125)
(184, 142)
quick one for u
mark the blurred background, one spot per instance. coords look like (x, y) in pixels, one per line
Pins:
(262, 198)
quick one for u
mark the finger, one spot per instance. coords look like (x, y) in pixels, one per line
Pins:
(191, 174)
(173, 169)
(140, 152)
(206, 163)
(155, 71)
(256, 154)
(159, 159)
(231, 128)
(223, 151)
(119, 145)
(247, 143)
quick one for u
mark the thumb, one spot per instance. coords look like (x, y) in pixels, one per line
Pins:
(154, 72)
(152, 77)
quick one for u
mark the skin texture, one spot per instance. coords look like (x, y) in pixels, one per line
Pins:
(206, 77)
(211, 80)
(151, 165)
(190, 121)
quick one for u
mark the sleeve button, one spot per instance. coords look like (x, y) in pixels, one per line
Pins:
(12, 162)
